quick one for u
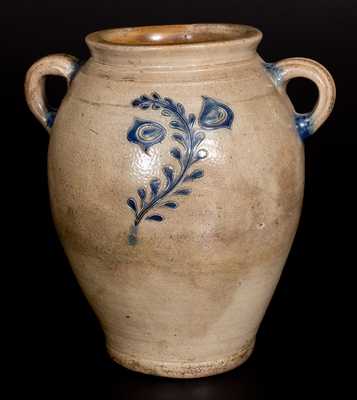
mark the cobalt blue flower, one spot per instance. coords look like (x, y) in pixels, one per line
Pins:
(187, 152)
(146, 133)
(215, 115)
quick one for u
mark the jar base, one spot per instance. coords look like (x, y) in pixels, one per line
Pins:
(183, 369)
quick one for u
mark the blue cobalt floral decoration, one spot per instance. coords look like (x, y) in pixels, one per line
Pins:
(215, 115)
(188, 151)
(146, 133)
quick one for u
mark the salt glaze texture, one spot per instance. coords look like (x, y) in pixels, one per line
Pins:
(176, 175)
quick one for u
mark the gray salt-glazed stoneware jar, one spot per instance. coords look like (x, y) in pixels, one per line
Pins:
(176, 177)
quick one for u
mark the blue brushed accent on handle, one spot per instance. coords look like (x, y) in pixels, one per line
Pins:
(303, 122)
(304, 125)
(51, 114)
(50, 118)
(75, 69)
(275, 72)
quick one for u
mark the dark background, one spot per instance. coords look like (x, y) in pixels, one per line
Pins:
(305, 339)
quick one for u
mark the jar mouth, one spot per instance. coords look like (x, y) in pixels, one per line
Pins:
(173, 46)
(174, 35)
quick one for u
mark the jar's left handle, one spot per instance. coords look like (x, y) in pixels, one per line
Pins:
(57, 64)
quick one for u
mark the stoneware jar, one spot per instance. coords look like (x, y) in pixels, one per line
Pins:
(176, 177)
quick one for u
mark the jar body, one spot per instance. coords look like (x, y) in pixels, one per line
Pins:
(186, 299)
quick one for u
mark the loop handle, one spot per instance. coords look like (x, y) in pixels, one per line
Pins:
(298, 67)
(57, 64)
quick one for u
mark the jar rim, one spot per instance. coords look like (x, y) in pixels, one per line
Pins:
(175, 46)
(173, 36)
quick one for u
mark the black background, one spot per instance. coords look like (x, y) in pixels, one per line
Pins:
(305, 338)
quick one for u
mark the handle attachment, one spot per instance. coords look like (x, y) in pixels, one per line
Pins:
(57, 64)
(289, 68)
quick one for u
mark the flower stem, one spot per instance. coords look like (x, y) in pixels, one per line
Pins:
(184, 167)
(133, 235)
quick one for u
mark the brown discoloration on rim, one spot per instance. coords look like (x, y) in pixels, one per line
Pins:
(174, 35)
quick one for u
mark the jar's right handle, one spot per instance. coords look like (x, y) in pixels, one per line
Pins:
(290, 68)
